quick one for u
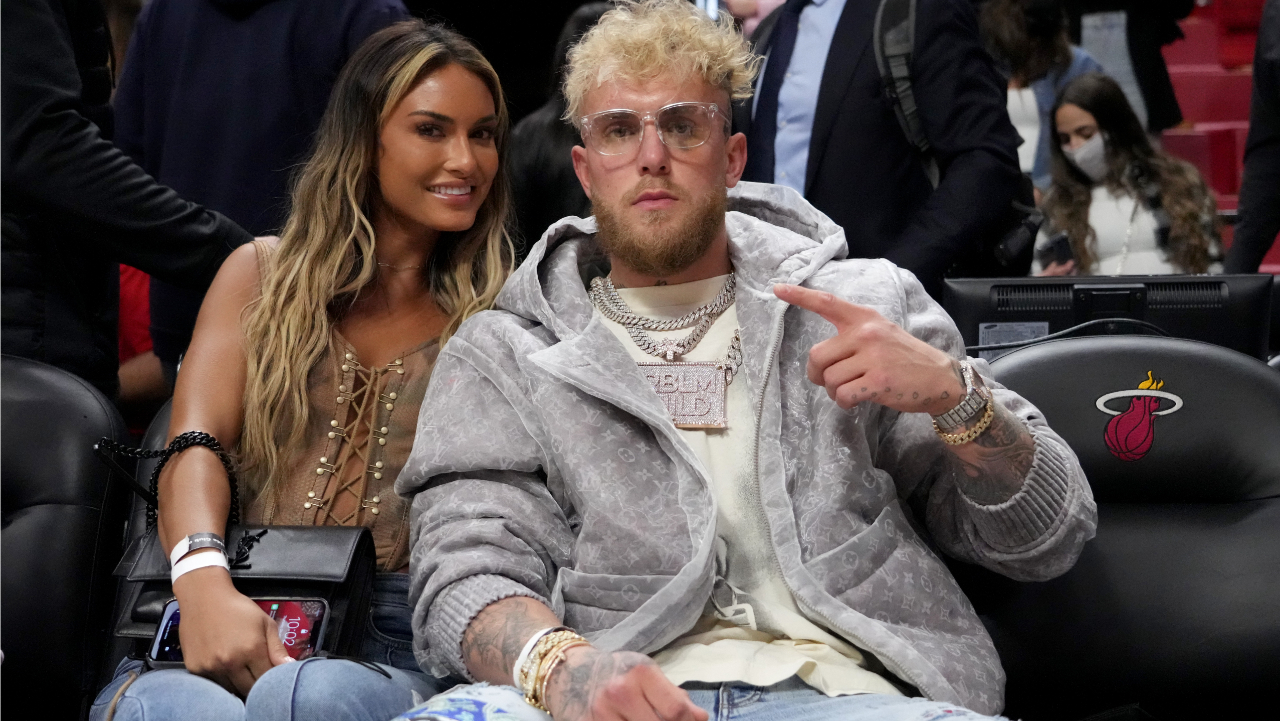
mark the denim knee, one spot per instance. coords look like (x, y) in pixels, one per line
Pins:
(162, 695)
(320, 688)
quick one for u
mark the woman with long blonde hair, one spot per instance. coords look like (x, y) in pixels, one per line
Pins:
(310, 360)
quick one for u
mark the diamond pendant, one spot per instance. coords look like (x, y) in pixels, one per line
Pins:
(670, 348)
(693, 393)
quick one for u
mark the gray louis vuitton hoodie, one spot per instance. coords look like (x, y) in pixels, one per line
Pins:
(545, 466)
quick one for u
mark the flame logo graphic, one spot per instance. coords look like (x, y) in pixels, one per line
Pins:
(1130, 433)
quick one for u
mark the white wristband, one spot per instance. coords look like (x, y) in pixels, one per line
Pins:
(518, 677)
(197, 561)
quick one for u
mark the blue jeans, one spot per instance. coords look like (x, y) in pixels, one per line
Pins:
(317, 688)
(793, 699)
(785, 701)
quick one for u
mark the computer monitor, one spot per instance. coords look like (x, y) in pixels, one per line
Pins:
(1228, 310)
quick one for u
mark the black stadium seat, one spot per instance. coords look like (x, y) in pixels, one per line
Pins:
(1175, 605)
(62, 532)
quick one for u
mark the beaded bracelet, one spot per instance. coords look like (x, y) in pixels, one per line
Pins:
(180, 443)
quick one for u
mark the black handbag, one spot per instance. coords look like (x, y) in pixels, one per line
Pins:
(335, 563)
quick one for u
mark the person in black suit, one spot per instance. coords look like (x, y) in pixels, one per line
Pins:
(1259, 220)
(75, 206)
(860, 169)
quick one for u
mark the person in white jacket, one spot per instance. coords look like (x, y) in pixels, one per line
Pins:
(1122, 206)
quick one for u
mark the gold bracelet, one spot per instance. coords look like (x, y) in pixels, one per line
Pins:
(517, 673)
(528, 674)
(550, 662)
(959, 439)
(532, 673)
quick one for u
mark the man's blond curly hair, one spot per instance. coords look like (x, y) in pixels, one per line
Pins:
(640, 40)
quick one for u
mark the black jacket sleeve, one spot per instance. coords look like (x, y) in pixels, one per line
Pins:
(1260, 193)
(962, 101)
(57, 163)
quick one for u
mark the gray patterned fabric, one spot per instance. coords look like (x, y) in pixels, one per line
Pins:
(545, 466)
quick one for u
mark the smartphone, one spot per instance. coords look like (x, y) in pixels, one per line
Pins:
(299, 621)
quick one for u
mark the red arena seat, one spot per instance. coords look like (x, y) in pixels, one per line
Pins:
(1238, 23)
(1212, 149)
(1191, 146)
(1209, 94)
(1199, 47)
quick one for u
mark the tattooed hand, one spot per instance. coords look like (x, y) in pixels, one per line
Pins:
(872, 359)
(599, 686)
(589, 685)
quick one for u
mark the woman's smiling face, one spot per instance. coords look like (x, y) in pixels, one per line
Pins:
(437, 152)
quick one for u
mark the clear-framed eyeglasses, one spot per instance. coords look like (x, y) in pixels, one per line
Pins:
(679, 125)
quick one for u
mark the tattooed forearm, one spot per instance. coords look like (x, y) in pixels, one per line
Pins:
(495, 637)
(497, 634)
(995, 465)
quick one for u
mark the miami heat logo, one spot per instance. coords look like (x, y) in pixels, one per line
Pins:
(1130, 433)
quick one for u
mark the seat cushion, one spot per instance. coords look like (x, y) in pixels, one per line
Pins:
(63, 528)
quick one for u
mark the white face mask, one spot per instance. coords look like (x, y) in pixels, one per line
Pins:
(1090, 158)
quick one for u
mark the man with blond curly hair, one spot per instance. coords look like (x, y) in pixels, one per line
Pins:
(696, 462)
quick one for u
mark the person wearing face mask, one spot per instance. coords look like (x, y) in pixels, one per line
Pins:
(397, 233)
(1118, 205)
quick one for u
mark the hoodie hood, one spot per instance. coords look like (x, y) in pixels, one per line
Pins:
(775, 236)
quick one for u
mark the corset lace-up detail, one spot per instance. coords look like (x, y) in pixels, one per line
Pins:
(357, 435)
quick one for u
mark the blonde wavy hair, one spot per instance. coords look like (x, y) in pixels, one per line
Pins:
(640, 40)
(326, 251)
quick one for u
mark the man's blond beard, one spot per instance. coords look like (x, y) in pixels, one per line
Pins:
(657, 249)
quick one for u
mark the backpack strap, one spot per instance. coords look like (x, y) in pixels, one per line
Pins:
(894, 36)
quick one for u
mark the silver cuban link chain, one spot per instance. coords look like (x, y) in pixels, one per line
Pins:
(605, 297)
(733, 360)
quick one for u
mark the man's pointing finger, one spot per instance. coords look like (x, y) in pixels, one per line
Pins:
(839, 313)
